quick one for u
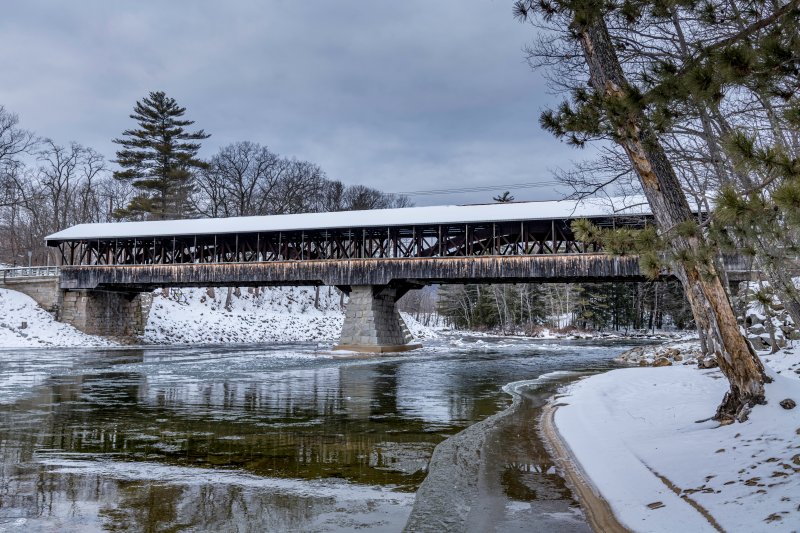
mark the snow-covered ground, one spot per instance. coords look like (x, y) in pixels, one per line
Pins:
(24, 324)
(635, 434)
(277, 314)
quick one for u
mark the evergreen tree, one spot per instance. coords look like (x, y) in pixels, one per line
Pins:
(612, 106)
(159, 158)
(503, 198)
(739, 96)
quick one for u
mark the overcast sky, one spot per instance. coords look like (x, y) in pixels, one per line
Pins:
(403, 96)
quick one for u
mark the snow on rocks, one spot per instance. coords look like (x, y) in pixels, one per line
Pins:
(681, 353)
(24, 324)
(767, 323)
(274, 314)
(635, 434)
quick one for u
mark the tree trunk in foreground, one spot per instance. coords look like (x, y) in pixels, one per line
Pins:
(709, 302)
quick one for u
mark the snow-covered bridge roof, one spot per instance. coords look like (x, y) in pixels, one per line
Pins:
(408, 216)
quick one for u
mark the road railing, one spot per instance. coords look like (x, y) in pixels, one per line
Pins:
(29, 272)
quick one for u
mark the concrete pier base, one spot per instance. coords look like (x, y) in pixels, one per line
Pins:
(372, 322)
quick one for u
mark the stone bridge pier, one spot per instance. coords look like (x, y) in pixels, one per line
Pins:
(117, 314)
(372, 322)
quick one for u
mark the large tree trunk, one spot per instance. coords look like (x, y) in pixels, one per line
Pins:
(704, 290)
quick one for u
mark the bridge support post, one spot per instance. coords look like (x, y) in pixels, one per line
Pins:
(111, 314)
(372, 322)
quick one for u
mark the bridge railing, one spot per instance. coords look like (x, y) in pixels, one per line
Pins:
(29, 272)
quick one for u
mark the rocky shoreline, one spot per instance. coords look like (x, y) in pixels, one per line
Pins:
(687, 352)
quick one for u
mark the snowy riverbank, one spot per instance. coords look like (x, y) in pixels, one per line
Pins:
(24, 324)
(634, 435)
(199, 316)
(277, 314)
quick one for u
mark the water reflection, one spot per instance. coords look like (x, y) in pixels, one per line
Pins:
(205, 438)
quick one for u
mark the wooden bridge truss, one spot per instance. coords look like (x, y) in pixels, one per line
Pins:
(526, 238)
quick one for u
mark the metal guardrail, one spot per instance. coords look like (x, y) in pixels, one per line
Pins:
(29, 272)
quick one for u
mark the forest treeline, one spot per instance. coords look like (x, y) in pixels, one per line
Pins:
(528, 308)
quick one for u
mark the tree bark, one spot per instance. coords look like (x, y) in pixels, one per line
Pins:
(704, 290)
(229, 299)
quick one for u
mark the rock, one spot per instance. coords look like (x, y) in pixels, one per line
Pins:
(793, 335)
(757, 329)
(788, 403)
(709, 362)
(677, 357)
(753, 318)
(757, 342)
(662, 361)
(671, 352)
(643, 362)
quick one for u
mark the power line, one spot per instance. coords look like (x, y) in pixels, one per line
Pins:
(479, 188)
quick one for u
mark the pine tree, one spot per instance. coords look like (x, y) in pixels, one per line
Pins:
(612, 107)
(159, 158)
(752, 52)
(503, 198)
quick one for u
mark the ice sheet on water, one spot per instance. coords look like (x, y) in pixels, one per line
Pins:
(515, 387)
(107, 467)
(212, 500)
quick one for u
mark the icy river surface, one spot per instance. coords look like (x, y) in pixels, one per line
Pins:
(276, 438)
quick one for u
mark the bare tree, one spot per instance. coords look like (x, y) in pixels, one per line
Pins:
(14, 142)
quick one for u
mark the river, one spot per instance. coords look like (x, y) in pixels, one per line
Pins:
(275, 438)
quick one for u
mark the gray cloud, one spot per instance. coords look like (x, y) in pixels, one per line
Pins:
(397, 95)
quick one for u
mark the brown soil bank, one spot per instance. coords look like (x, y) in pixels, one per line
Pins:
(598, 511)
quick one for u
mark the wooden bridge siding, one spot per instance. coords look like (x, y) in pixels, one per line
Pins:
(488, 269)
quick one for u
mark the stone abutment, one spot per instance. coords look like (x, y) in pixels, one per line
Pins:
(121, 315)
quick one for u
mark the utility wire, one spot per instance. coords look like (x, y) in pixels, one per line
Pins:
(479, 188)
